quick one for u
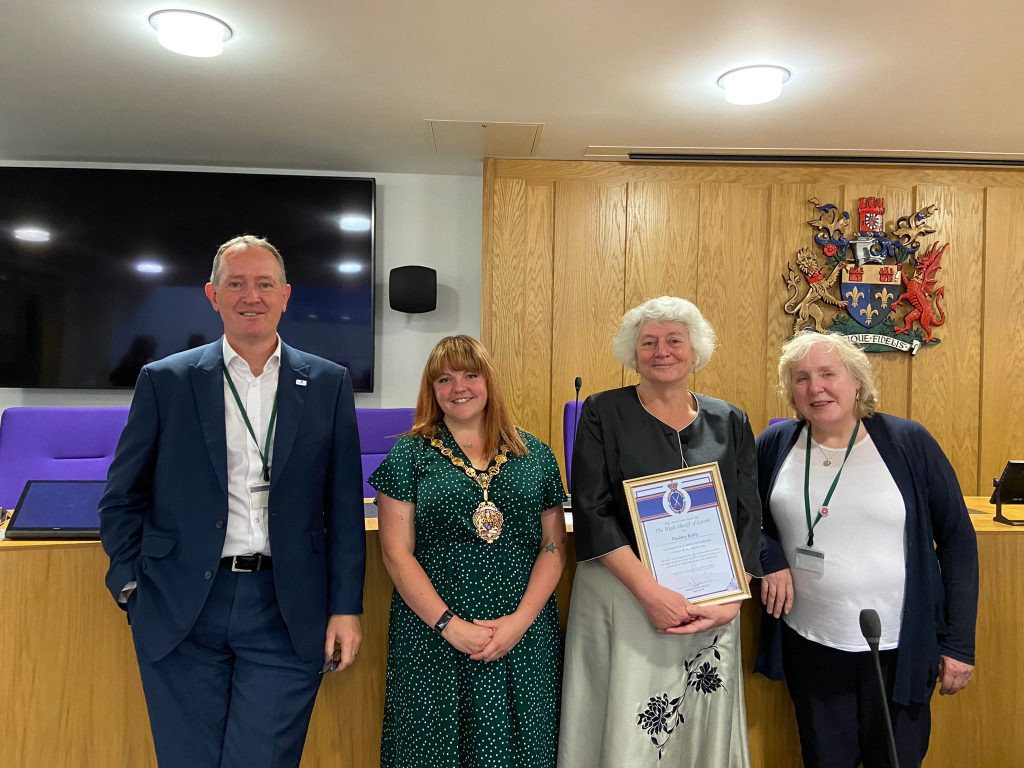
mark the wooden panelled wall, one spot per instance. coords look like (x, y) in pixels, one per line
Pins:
(569, 246)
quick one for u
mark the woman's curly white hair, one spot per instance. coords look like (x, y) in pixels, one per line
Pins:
(664, 309)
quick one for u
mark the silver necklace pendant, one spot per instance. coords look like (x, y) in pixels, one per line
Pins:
(827, 459)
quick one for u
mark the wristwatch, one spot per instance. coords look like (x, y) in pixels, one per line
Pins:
(443, 621)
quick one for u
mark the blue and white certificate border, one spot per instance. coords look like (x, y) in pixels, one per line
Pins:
(701, 487)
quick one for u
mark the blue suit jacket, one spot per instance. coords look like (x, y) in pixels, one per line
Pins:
(163, 515)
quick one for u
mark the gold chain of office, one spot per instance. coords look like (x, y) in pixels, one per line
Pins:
(487, 519)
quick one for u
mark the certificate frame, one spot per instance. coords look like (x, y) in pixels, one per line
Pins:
(685, 535)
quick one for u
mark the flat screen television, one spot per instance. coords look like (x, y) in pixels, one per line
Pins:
(102, 270)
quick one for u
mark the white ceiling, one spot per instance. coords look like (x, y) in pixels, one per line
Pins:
(349, 84)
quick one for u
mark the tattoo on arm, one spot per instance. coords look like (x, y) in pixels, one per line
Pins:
(551, 547)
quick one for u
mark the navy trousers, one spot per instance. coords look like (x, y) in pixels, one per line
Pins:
(233, 694)
(839, 709)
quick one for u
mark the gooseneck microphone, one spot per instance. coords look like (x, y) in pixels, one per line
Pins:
(871, 628)
(576, 408)
(578, 383)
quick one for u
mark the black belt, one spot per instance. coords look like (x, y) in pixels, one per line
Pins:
(247, 563)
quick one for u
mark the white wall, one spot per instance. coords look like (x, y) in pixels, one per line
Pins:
(434, 221)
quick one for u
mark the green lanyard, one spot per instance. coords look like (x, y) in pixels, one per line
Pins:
(265, 452)
(831, 490)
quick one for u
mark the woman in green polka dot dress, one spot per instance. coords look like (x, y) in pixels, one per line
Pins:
(472, 533)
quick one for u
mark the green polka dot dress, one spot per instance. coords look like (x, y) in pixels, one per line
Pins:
(442, 709)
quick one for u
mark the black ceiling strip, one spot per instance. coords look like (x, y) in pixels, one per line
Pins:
(815, 159)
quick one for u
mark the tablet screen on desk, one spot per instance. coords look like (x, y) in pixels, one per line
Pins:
(57, 509)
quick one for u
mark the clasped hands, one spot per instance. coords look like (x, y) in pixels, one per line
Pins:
(486, 639)
(673, 614)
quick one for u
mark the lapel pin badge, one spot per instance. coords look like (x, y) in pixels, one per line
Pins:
(301, 382)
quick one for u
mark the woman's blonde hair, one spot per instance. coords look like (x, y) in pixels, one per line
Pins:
(853, 357)
(464, 353)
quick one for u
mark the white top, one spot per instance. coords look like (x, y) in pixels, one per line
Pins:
(247, 532)
(863, 539)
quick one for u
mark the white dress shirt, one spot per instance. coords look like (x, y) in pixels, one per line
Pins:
(246, 531)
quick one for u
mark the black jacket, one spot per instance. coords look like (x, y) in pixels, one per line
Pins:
(617, 439)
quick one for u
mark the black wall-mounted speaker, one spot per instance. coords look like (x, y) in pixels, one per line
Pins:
(413, 289)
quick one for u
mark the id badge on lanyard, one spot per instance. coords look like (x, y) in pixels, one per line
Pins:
(259, 492)
(808, 558)
(259, 495)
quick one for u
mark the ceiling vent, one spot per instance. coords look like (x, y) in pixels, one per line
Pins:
(484, 139)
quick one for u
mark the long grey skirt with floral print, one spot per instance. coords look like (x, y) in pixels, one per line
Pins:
(634, 697)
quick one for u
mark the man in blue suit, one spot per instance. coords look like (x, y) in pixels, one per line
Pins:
(233, 520)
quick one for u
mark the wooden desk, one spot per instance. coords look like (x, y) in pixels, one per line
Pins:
(72, 697)
(977, 727)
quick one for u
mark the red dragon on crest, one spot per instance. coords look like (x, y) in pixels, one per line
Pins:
(921, 291)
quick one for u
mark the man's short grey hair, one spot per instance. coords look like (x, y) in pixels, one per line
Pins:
(253, 242)
(664, 309)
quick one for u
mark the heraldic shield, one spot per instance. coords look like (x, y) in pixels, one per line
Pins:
(869, 291)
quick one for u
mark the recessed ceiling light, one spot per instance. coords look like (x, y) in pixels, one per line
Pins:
(31, 235)
(753, 85)
(350, 267)
(351, 223)
(190, 33)
(149, 267)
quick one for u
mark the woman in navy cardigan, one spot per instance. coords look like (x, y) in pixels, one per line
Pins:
(860, 510)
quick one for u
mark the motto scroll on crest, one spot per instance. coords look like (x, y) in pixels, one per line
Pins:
(888, 296)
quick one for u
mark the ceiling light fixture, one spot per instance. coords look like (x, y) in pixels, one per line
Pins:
(753, 85)
(190, 33)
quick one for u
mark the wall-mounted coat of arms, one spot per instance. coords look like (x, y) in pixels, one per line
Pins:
(888, 296)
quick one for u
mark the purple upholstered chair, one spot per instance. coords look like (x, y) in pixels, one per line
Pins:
(379, 429)
(570, 418)
(56, 444)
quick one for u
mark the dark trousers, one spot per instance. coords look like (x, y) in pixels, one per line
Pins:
(233, 693)
(839, 709)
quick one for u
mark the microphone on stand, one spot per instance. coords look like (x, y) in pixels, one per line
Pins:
(578, 383)
(871, 628)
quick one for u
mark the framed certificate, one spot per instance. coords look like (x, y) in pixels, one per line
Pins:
(685, 534)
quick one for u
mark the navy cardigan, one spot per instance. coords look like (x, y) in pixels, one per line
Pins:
(940, 604)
